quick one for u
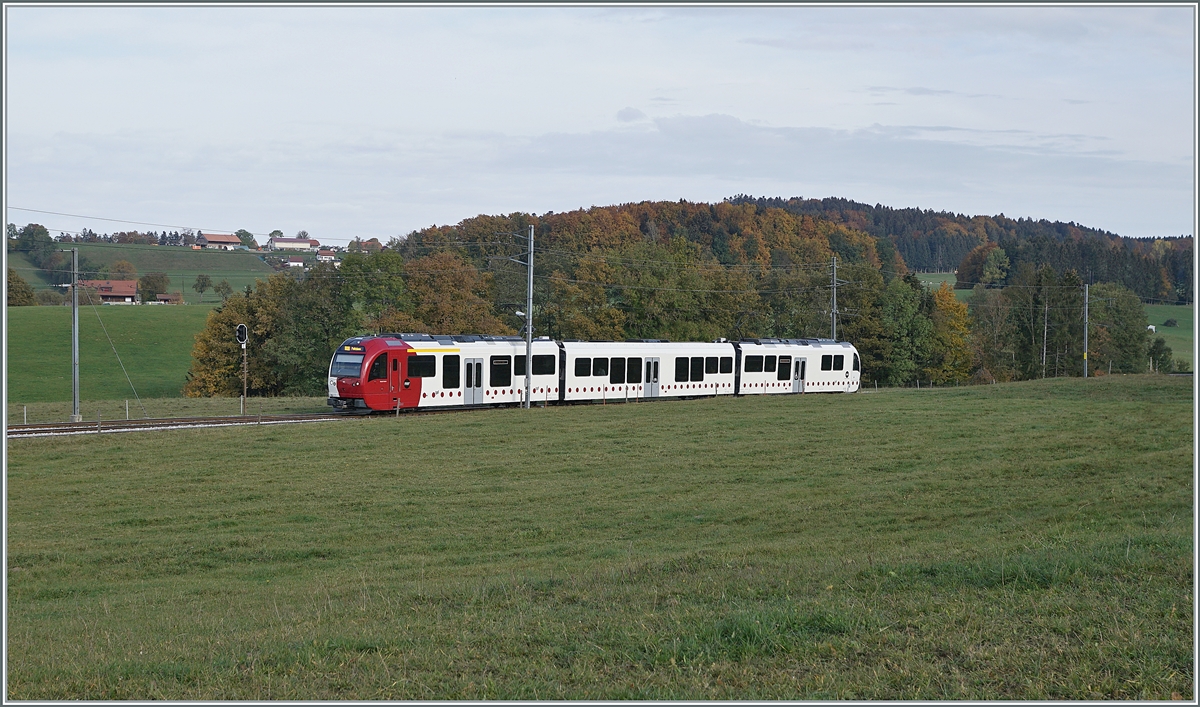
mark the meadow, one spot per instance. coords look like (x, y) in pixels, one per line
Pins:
(154, 344)
(181, 265)
(1025, 541)
(1180, 337)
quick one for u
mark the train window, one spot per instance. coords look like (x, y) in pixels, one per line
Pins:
(785, 368)
(681, 369)
(449, 372)
(617, 371)
(422, 366)
(378, 368)
(395, 364)
(711, 365)
(470, 378)
(727, 364)
(543, 365)
(827, 363)
(519, 366)
(838, 360)
(583, 367)
(769, 364)
(599, 366)
(346, 365)
(697, 368)
(635, 370)
(856, 362)
(501, 372)
(754, 364)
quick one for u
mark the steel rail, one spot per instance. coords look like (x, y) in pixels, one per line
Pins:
(54, 429)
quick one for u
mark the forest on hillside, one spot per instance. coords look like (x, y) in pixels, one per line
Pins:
(938, 241)
(680, 271)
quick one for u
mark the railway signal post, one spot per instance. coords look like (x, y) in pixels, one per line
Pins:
(243, 335)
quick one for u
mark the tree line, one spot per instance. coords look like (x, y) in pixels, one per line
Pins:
(677, 271)
(937, 241)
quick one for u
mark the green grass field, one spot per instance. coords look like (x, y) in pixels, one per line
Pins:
(182, 265)
(1025, 541)
(154, 343)
(1179, 338)
(934, 280)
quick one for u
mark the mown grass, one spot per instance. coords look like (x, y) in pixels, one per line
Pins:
(1023, 541)
(154, 343)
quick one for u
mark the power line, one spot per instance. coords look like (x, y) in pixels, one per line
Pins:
(121, 220)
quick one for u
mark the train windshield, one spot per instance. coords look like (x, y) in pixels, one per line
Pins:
(345, 364)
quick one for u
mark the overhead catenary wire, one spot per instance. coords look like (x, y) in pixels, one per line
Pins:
(114, 350)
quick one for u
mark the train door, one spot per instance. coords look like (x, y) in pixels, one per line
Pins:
(377, 390)
(798, 376)
(394, 378)
(473, 381)
(652, 378)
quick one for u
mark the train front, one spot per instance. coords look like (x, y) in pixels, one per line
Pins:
(368, 373)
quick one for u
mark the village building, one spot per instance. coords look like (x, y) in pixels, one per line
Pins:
(116, 291)
(219, 241)
(305, 244)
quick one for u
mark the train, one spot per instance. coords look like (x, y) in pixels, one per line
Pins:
(399, 372)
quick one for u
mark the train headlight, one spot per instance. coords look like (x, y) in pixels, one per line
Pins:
(407, 383)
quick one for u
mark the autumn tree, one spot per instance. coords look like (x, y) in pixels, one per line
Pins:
(982, 265)
(375, 283)
(153, 284)
(20, 294)
(202, 284)
(950, 351)
(451, 297)
(991, 335)
(119, 270)
(1118, 337)
(294, 326)
(907, 330)
(223, 289)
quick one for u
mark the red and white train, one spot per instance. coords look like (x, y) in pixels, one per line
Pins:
(410, 371)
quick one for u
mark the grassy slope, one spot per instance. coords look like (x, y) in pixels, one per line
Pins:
(181, 265)
(36, 278)
(934, 280)
(1179, 338)
(1023, 541)
(155, 344)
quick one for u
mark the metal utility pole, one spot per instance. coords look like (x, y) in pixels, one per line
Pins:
(1085, 329)
(833, 314)
(76, 416)
(529, 324)
(1045, 332)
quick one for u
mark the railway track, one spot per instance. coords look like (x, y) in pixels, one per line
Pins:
(53, 429)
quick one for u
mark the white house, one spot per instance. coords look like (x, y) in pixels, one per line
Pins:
(219, 241)
(305, 244)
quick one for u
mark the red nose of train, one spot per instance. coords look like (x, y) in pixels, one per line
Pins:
(349, 387)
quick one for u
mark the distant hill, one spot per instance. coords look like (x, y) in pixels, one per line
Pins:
(937, 241)
(181, 265)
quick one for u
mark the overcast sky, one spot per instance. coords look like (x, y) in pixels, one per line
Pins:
(376, 121)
